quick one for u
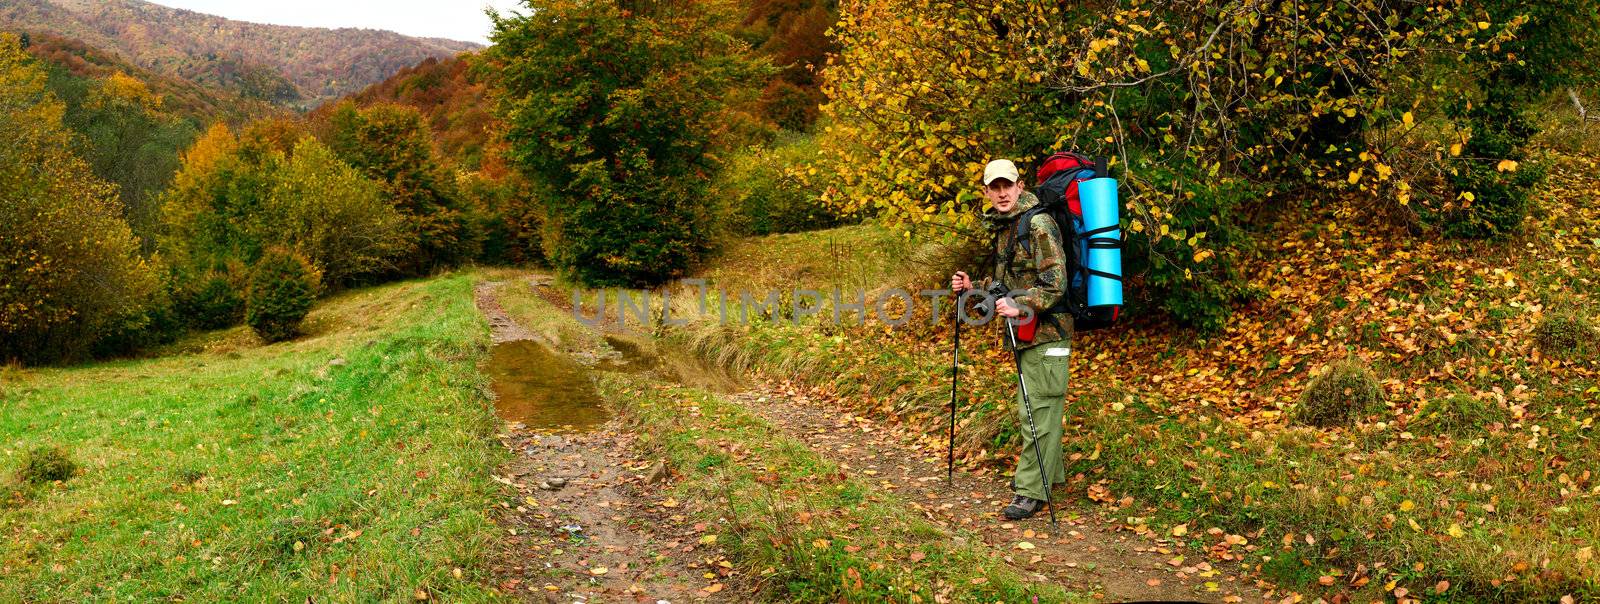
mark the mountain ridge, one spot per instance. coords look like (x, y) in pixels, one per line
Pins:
(200, 103)
(292, 66)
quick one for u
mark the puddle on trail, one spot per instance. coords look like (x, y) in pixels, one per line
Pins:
(543, 389)
(549, 391)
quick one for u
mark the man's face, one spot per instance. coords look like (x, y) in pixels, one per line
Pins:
(1002, 194)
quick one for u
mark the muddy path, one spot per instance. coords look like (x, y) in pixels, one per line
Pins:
(581, 523)
(501, 328)
(1085, 553)
(650, 555)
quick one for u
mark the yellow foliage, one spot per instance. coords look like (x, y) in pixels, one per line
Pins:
(923, 92)
(69, 265)
(122, 89)
(217, 142)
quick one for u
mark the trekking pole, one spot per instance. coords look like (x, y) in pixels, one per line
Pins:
(955, 367)
(1033, 428)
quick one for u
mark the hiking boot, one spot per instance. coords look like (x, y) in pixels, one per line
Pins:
(1022, 507)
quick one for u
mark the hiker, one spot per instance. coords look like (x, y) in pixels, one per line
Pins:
(1036, 275)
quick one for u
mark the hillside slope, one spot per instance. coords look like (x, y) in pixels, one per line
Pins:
(1471, 474)
(456, 105)
(350, 464)
(202, 104)
(292, 66)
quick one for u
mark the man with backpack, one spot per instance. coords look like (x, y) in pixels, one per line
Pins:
(1031, 262)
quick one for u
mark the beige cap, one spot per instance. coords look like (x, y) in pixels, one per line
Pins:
(1000, 168)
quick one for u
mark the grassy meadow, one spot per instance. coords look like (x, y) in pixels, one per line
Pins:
(350, 464)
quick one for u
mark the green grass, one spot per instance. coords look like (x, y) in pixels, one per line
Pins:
(233, 471)
(849, 257)
(795, 522)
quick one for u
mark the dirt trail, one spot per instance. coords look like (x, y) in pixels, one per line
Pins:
(502, 328)
(622, 533)
(582, 528)
(1086, 554)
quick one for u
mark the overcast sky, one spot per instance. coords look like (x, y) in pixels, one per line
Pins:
(454, 19)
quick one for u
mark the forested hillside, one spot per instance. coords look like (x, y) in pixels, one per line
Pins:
(200, 103)
(454, 104)
(793, 34)
(131, 123)
(291, 66)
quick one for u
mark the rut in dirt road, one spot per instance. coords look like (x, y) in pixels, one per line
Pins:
(1084, 555)
(582, 526)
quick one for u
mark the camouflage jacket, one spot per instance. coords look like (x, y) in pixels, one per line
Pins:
(1042, 273)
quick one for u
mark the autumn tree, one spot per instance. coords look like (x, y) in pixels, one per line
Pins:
(1545, 46)
(509, 211)
(70, 272)
(616, 105)
(338, 219)
(391, 145)
(276, 186)
(1209, 111)
(794, 35)
(129, 140)
(210, 211)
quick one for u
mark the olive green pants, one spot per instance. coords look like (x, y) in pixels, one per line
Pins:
(1044, 372)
